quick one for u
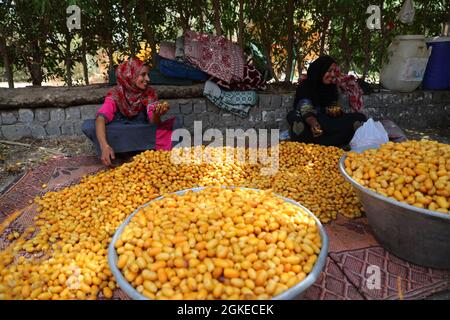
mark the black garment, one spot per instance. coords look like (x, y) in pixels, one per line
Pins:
(312, 99)
(313, 88)
(337, 131)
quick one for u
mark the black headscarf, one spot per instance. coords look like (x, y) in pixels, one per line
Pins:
(314, 89)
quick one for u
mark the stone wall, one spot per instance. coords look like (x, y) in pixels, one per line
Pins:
(44, 122)
(270, 113)
(417, 110)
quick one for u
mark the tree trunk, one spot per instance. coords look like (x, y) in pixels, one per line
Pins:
(35, 64)
(84, 62)
(6, 63)
(383, 35)
(30, 49)
(151, 39)
(267, 48)
(105, 33)
(323, 37)
(299, 62)
(345, 48)
(217, 25)
(35, 73)
(130, 41)
(199, 4)
(367, 53)
(290, 40)
(241, 24)
(110, 52)
(69, 61)
(184, 15)
(148, 31)
(268, 56)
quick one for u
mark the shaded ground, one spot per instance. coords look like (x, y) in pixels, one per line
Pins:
(445, 295)
(441, 135)
(15, 160)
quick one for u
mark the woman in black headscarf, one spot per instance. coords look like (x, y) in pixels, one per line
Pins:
(317, 117)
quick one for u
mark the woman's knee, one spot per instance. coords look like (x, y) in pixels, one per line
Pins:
(360, 117)
(292, 117)
(177, 123)
(88, 127)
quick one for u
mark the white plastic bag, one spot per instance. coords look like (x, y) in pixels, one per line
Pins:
(407, 12)
(371, 133)
(284, 135)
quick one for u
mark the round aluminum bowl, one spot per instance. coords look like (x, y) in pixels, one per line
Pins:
(293, 293)
(420, 236)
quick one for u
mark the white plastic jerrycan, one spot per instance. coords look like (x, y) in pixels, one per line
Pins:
(406, 63)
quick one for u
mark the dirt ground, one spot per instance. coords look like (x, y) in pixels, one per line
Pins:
(16, 159)
(441, 135)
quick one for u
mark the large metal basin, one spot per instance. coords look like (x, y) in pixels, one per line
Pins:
(294, 293)
(416, 235)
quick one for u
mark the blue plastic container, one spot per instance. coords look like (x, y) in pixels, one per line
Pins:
(175, 69)
(437, 73)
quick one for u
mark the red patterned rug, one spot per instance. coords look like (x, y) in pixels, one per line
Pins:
(354, 254)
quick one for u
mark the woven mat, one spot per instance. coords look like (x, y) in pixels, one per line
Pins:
(353, 249)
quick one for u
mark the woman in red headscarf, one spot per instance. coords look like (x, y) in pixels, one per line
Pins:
(130, 118)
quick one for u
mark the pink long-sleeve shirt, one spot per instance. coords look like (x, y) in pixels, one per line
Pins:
(109, 108)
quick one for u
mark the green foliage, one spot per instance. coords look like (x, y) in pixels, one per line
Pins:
(39, 43)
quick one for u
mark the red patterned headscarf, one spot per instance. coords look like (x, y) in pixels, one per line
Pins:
(349, 85)
(129, 99)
